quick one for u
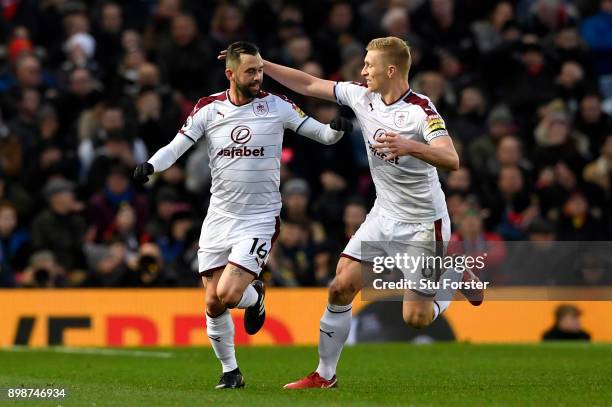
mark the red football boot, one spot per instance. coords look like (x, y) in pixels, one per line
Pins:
(474, 295)
(313, 381)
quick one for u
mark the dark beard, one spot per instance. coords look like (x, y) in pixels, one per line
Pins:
(245, 91)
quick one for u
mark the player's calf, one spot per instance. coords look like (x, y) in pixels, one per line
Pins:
(229, 296)
(418, 314)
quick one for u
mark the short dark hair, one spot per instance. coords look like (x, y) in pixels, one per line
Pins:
(238, 48)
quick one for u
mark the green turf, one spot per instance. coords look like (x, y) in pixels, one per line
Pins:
(370, 375)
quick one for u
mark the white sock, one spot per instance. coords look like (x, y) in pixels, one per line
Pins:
(444, 297)
(439, 306)
(249, 297)
(220, 330)
(334, 329)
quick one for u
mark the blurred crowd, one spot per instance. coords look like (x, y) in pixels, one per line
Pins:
(89, 89)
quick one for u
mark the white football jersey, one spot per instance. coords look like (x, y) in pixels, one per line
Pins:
(407, 189)
(244, 146)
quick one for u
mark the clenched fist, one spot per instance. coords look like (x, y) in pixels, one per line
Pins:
(142, 172)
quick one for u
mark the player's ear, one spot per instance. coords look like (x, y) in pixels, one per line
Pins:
(391, 71)
(229, 74)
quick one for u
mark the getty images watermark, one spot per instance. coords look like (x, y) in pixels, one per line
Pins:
(428, 272)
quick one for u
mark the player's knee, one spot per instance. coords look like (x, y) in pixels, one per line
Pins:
(214, 306)
(416, 318)
(340, 293)
(229, 297)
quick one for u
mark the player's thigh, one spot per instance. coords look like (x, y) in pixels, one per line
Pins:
(368, 240)
(232, 283)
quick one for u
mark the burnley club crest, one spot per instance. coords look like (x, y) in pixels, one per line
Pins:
(401, 118)
(260, 108)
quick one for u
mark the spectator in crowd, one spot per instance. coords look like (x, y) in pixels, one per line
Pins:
(511, 208)
(471, 113)
(292, 256)
(111, 143)
(597, 33)
(296, 194)
(488, 32)
(60, 228)
(104, 205)
(599, 172)
(500, 123)
(148, 270)
(186, 59)
(577, 223)
(567, 325)
(43, 271)
(470, 238)
(336, 34)
(593, 122)
(82, 93)
(174, 245)
(558, 183)
(15, 246)
(107, 31)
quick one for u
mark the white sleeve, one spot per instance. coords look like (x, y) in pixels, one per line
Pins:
(347, 93)
(167, 155)
(195, 125)
(293, 117)
(192, 131)
(319, 132)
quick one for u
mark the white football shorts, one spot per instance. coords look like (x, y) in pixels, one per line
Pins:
(379, 236)
(244, 243)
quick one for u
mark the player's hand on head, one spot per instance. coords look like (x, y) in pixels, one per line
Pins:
(340, 123)
(222, 55)
(142, 172)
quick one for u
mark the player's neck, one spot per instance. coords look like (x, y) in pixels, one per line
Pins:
(394, 92)
(237, 98)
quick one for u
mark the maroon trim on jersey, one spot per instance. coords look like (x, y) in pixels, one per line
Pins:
(207, 100)
(260, 95)
(227, 97)
(415, 99)
(350, 257)
(183, 133)
(243, 268)
(285, 98)
(362, 84)
(438, 230)
(404, 96)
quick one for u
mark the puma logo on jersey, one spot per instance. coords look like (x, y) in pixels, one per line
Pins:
(241, 152)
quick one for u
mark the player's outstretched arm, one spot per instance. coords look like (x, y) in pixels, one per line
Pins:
(297, 81)
(300, 82)
(440, 152)
(163, 158)
(325, 134)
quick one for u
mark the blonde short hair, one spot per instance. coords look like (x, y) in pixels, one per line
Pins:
(396, 51)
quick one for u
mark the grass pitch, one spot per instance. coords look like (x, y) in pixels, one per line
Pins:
(369, 375)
